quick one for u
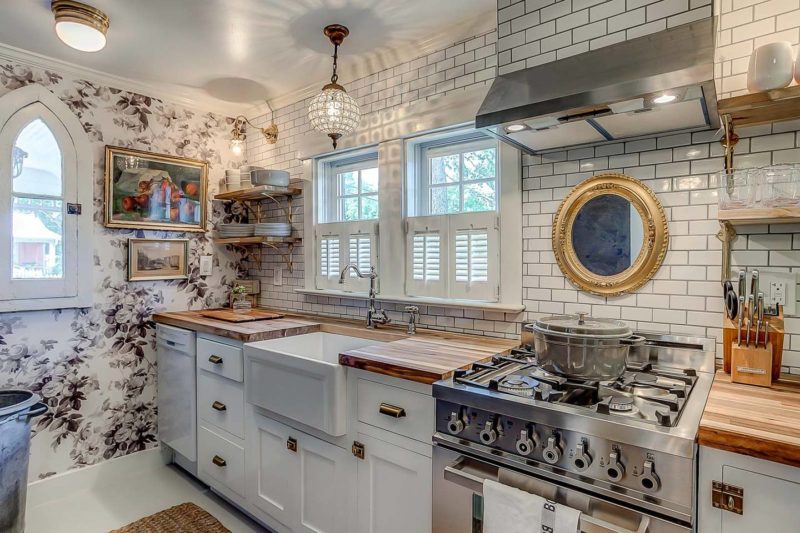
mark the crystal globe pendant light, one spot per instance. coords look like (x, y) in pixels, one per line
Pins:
(334, 112)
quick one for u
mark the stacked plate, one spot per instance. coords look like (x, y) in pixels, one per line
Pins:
(236, 230)
(273, 229)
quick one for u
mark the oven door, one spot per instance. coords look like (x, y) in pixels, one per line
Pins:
(458, 502)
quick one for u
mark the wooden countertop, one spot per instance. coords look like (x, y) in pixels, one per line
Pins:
(425, 357)
(756, 421)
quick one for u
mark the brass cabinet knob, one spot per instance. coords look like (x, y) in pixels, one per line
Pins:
(219, 406)
(215, 359)
(219, 461)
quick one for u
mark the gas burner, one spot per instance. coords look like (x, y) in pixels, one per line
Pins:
(640, 378)
(518, 384)
(621, 404)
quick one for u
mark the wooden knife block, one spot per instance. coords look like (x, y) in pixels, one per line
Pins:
(751, 365)
(754, 356)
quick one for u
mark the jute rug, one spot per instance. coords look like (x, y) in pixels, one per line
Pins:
(183, 518)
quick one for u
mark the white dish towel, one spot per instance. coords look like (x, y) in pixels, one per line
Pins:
(510, 510)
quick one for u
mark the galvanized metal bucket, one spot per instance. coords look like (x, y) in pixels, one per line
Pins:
(17, 408)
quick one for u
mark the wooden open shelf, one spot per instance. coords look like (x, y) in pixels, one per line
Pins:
(258, 239)
(760, 215)
(760, 108)
(259, 192)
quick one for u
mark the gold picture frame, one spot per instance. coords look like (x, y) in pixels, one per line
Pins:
(145, 190)
(655, 241)
(158, 259)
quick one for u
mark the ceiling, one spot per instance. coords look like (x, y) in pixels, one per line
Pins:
(234, 54)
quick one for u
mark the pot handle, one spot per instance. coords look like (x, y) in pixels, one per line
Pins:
(633, 340)
(34, 411)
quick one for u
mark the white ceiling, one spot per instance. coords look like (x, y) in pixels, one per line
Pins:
(234, 54)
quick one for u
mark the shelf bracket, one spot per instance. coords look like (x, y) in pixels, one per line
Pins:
(726, 234)
(287, 255)
(728, 141)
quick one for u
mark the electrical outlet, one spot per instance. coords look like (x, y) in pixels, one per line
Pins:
(206, 265)
(277, 276)
(777, 293)
(779, 287)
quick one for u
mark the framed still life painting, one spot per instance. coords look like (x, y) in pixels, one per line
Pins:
(152, 259)
(154, 191)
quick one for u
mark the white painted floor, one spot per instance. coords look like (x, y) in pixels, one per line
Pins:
(118, 497)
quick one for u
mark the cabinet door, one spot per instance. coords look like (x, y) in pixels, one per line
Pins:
(769, 502)
(394, 489)
(272, 469)
(327, 487)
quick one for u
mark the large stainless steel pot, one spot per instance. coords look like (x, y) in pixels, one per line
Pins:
(17, 408)
(581, 347)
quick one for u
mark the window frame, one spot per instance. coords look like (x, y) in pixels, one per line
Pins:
(398, 171)
(19, 108)
(330, 186)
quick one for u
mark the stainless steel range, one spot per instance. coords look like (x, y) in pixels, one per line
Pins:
(622, 452)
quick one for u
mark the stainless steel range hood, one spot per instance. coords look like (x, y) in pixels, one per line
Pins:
(653, 84)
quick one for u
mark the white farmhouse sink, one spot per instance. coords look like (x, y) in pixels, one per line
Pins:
(300, 378)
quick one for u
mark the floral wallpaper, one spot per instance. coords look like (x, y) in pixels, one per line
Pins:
(96, 367)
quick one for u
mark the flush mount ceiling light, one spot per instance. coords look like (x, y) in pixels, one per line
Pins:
(80, 26)
(664, 99)
(333, 111)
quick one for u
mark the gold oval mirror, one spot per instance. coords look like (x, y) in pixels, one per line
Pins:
(610, 235)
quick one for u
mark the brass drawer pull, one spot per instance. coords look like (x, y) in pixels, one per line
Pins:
(392, 410)
(219, 461)
(215, 359)
(219, 406)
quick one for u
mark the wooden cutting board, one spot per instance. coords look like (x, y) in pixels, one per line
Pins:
(229, 316)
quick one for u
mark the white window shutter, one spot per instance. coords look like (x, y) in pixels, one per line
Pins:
(475, 256)
(341, 243)
(427, 256)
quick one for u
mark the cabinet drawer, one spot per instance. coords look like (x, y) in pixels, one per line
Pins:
(221, 459)
(378, 405)
(220, 359)
(221, 402)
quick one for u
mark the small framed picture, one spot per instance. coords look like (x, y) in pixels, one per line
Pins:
(154, 191)
(151, 259)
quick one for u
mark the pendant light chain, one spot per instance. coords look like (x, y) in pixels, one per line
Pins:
(335, 76)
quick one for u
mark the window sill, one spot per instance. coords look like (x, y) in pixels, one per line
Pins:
(412, 300)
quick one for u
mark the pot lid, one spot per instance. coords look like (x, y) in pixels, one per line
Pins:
(16, 400)
(581, 324)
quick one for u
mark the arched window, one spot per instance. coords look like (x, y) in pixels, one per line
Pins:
(45, 203)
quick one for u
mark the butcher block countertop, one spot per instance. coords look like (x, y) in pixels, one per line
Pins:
(756, 421)
(425, 357)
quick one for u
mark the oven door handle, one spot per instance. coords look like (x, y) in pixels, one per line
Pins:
(455, 473)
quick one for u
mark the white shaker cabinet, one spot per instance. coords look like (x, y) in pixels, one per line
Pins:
(771, 492)
(394, 489)
(305, 483)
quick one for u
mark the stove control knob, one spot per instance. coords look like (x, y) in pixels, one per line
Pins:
(488, 434)
(649, 478)
(456, 423)
(526, 442)
(582, 459)
(552, 452)
(615, 470)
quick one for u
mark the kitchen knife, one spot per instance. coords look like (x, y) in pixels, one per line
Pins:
(759, 315)
(742, 283)
(750, 306)
(741, 319)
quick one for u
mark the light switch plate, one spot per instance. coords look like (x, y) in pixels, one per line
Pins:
(206, 265)
(277, 276)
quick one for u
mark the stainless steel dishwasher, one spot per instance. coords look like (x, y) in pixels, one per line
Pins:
(177, 393)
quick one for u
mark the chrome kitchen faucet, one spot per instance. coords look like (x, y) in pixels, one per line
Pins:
(374, 316)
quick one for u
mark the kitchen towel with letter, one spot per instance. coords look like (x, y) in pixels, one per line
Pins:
(510, 510)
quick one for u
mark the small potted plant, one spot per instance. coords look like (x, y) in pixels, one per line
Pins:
(241, 303)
